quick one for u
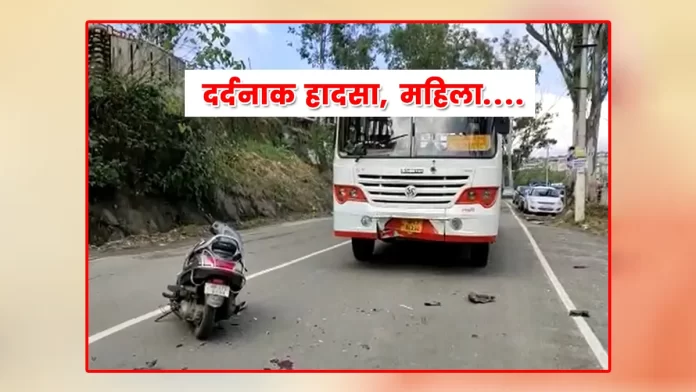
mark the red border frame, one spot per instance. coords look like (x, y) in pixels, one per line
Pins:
(287, 21)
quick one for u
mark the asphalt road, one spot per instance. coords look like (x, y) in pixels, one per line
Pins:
(328, 311)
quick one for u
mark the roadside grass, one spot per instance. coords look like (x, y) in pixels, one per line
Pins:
(260, 171)
(596, 219)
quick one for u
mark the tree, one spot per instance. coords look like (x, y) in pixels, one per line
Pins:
(428, 46)
(547, 143)
(529, 134)
(519, 53)
(436, 46)
(448, 46)
(339, 45)
(354, 46)
(201, 45)
(560, 40)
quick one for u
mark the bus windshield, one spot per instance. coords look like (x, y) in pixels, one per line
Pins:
(433, 137)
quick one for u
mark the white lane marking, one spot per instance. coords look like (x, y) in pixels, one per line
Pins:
(595, 345)
(101, 335)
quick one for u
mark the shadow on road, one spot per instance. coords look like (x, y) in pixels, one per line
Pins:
(403, 255)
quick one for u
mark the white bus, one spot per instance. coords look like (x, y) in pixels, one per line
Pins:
(419, 178)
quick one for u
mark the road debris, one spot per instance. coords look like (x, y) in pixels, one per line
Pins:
(579, 266)
(432, 303)
(148, 365)
(476, 298)
(282, 364)
(179, 345)
(475, 336)
(365, 346)
(579, 313)
(406, 307)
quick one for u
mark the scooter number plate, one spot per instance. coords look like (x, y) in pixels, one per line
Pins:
(216, 289)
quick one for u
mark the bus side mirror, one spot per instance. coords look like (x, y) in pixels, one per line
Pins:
(501, 125)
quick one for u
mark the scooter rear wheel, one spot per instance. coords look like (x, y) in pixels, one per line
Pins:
(206, 324)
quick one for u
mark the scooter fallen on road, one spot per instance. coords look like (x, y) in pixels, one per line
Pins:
(210, 281)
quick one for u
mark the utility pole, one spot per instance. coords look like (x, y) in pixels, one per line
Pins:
(582, 122)
(548, 146)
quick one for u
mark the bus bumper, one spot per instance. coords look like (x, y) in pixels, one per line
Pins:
(442, 225)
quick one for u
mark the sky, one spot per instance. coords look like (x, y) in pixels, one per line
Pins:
(265, 46)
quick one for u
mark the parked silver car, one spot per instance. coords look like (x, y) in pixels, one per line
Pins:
(518, 198)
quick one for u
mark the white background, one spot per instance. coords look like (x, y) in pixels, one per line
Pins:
(498, 84)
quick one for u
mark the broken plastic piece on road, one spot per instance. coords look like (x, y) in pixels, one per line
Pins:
(476, 298)
(579, 313)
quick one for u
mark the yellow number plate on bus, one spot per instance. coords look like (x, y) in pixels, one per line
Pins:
(411, 226)
(468, 142)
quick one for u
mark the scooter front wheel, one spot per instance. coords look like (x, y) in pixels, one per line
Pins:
(206, 324)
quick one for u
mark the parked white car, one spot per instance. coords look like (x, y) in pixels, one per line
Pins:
(543, 200)
(508, 193)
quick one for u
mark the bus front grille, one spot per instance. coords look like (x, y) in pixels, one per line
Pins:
(430, 190)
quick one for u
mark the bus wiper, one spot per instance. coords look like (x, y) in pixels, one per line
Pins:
(359, 155)
(360, 150)
(393, 138)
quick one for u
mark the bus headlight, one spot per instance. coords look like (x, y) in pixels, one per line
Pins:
(366, 221)
(456, 223)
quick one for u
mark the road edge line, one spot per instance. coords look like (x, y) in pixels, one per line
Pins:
(591, 338)
(136, 320)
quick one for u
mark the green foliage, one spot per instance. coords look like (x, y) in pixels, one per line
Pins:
(419, 46)
(429, 46)
(517, 53)
(524, 177)
(206, 44)
(140, 144)
(444, 46)
(321, 142)
(137, 142)
(338, 45)
(529, 134)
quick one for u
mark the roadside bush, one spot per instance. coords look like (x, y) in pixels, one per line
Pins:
(138, 141)
(524, 177)
(140, 144)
